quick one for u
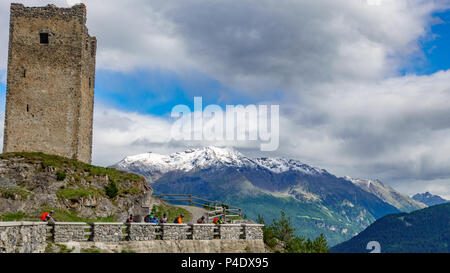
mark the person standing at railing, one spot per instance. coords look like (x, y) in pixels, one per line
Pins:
(201, 220)
(164, 219)
(48, 217)
(154, 220)
(218, 220)
(179, 219)
(130, 219)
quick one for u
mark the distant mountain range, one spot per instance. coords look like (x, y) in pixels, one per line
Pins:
(422, 231)
(317, 201)
(388, 194)
(429, 199)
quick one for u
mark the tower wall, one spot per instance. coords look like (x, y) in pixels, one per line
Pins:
(50, 86)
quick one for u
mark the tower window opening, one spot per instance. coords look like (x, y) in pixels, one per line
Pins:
(28, 108)
(90, 83)
(43, 38)
(24, 73)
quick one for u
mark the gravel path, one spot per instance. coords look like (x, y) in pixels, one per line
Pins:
(195, 211)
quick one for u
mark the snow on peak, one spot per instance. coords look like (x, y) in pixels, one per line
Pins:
(366, 183)
(187, 160)
(211, 156)
(280, 165)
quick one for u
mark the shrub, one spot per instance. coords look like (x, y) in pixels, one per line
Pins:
(282, 231)
(112, 190)
(60, 176)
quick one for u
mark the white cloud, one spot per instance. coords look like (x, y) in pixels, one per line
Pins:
(255, 45)
(334, 62)
(118, 134)
(395, 129)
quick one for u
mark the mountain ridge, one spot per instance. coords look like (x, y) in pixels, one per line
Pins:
(317, 201)
(429, 199)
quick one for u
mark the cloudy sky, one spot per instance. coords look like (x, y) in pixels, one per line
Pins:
(363, 85)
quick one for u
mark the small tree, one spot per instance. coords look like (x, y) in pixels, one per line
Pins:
(268, 236)
(282, 228)
(112, 190)
(320, 245)
(282, 231)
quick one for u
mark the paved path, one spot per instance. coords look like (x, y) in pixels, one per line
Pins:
(196, 212)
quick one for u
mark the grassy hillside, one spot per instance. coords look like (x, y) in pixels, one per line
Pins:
(309, 220)
(422, 231)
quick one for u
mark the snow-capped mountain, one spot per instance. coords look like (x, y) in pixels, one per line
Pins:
(387, 194)
(317, 201)
(150, 164)
(429, 199)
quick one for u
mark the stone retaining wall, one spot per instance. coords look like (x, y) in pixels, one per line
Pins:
(253, 232)
(22, 237)
(70, 232)
(203, 231)
(107, 232)
(142, 231)
(30, 237)
(230, 232)
(174, 231)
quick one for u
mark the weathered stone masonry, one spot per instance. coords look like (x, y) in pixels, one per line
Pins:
(22, 237)
(68, 232)
(51, 79)
(27, 237)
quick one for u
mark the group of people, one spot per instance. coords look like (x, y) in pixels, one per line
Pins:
(217, 220)
(151, 218)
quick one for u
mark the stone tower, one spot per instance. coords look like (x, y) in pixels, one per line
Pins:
(51, 78)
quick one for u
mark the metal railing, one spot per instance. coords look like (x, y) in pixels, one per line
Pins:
(216, 208)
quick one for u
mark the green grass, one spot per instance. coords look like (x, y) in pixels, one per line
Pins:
(13, 216)
(62, 215)
(11, 193)
(68, 216)
(128, 251)
(92, 249)
(71, 173)
(172, 212)
(78, 192)
(62, 162)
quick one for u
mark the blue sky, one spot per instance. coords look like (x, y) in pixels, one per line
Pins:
(156, 92)
(151, 91)
(435, 48)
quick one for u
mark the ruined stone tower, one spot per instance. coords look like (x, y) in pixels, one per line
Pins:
(51, 78)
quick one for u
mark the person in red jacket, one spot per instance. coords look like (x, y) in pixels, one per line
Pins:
(48, 216)
(218, 220)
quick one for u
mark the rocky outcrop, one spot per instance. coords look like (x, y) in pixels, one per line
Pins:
(33, 183)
